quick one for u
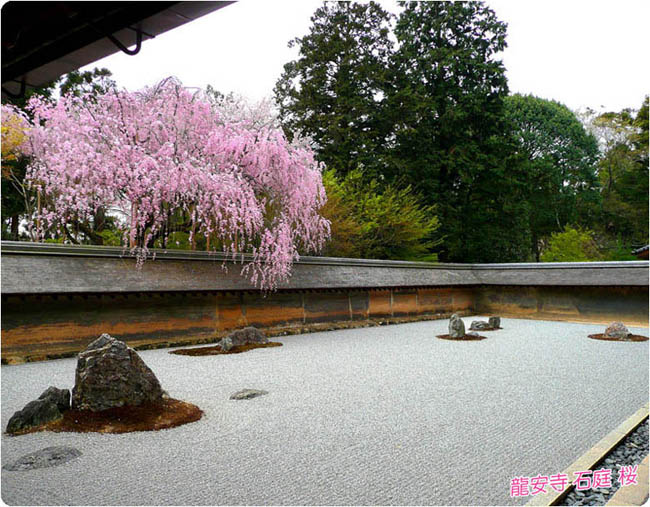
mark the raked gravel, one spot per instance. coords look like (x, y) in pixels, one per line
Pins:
(381, 415)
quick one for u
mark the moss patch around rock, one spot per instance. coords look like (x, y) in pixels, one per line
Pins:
(160, 415)
(216, 349)
(466, 338)
(631, 338)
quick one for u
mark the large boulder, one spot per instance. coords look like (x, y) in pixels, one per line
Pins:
(111, 374)
(617, 330)
(456, 327)
(47, 408)
(242, 337)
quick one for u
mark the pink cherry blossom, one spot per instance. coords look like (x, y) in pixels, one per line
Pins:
(145, 155)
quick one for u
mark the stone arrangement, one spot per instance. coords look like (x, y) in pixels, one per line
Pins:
(617, 332)
(481, 325)
(109, 374)
(495, 322)
(457, 328)
(242, 337)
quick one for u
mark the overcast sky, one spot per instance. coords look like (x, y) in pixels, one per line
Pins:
(582, 53)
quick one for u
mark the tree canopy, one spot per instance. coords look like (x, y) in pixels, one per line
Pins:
(451, 138)
(623, 174)
(428, 156)
(427, 113)
(376, 222)
(559, 158)
(151, 155)
(334, 92)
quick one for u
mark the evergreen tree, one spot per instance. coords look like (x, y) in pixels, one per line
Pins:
(335, 91)
(451, 138)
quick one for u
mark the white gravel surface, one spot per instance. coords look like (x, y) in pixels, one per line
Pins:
(381, 415)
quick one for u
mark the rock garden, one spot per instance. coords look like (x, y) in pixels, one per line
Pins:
(352, 413)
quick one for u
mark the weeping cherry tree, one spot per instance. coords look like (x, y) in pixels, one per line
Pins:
(163, 152)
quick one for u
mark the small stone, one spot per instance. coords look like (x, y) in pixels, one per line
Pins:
(617, 330)
(472, 333)
(495, 322)
(246, 394)
(48, 457)
(456, 327)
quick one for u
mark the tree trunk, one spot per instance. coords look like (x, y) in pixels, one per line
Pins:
(14, 227)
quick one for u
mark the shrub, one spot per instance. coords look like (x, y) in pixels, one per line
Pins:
(571, 245)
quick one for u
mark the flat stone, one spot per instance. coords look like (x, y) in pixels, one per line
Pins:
(472, 333)
(480, 325)
(246, 394)
(43, 458)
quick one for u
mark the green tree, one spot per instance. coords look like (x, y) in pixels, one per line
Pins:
(450, 135)
(571, 245)
(377, 222)
(335, 91)
(560, 165)
(623, 173)
(94, 82)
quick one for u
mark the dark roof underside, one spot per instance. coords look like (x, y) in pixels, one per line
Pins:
(41, 41)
